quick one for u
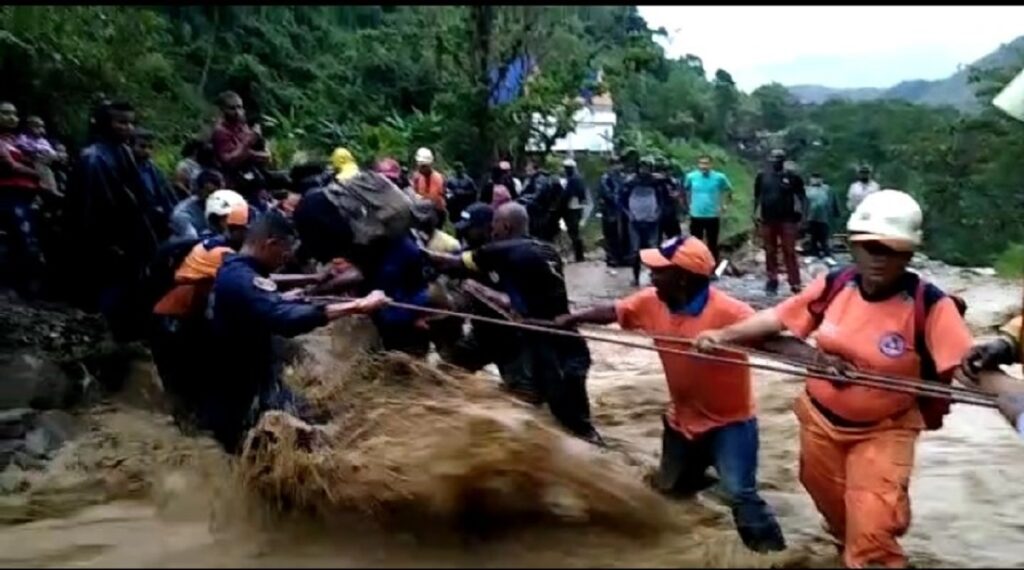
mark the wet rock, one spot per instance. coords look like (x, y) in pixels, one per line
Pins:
(13, 423)
(49, 432)
(29, 380)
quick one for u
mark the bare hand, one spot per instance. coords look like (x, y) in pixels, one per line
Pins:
(567, 321)
(372, 302)
(708, 341)
(293, 295)
(832, 365)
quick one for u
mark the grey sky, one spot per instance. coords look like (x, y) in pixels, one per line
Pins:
(836, 46)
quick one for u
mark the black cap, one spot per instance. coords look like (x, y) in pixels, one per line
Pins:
(475, 216)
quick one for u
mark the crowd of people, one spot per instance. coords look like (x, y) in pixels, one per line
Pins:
(211, 267)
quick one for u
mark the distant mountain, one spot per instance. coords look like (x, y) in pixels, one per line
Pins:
(953, 90)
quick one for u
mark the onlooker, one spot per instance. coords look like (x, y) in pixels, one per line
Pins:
(822, 209)
(613, 222)
(861, 188)
(462, 192)
(117, 229)
(641, 200)
(196, 156)
(709, 194)
(574, 196)
(541, 196)
(668, 201)
(239, 149)
(19, 187)
(188, 219)
(779, 200)
(501, 174)
(501, 196)
(159, 194)
(33, 142)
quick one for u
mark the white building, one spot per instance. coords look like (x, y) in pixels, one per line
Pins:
(595, 129)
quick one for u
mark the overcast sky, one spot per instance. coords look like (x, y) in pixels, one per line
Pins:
(836, 46)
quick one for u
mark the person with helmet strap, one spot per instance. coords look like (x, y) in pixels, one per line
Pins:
(427, 182)
(179, 334)
(711, 419)
(857, 443)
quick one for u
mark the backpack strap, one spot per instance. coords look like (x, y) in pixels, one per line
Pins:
(835, 281)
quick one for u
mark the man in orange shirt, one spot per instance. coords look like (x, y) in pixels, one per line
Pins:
(857, 443)
(427, 182)
(711, 418)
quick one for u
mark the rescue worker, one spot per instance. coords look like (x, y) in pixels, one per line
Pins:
(547, 368)
(425, 229)
(343, 164)
(427, 182)
(711, 418)
(181, 339)
(247, 312)
(542, 196)
(982, 370)
(857, 443)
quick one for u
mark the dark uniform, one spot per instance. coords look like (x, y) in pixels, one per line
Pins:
(247, 311)
(613, 220)
(547, 368)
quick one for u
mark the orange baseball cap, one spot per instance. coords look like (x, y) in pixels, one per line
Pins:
(239, 215)
(685, 252)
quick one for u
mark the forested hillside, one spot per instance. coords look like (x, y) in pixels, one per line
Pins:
(384, 80)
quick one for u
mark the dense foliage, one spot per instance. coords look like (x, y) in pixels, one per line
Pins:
(387, 79)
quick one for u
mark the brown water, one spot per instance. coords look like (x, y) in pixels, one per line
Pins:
(162, 495)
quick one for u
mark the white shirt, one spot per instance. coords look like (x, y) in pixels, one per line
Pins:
(858, 191)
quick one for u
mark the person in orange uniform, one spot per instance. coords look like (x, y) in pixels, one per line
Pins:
(427, 182)
(857, 443)
(179, 315)
(711, 418)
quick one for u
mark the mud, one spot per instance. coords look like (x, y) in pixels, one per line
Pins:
(133, 491)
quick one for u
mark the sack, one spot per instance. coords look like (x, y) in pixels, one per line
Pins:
(926, 295)
(374, 206)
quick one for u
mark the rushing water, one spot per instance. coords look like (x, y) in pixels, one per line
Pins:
(966, 495)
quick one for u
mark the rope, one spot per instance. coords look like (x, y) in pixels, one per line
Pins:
(914, 387)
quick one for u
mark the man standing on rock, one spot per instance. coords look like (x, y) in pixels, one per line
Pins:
(779, 204)
(247, 312)
(711, 419)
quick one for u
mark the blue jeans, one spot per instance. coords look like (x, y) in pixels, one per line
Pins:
(732, 450)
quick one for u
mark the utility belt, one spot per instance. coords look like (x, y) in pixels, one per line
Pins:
(837, 420)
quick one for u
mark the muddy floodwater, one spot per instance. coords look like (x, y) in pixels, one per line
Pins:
(967, 490)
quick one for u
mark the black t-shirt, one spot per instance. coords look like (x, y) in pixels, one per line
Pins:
(779, 194)
(529, 272)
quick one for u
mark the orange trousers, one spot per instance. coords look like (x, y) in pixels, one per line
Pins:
(859, 480)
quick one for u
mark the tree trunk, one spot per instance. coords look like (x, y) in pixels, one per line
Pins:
(483, 27)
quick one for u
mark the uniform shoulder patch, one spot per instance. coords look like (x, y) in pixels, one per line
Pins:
(264, 284)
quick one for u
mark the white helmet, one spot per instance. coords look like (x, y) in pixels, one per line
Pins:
(890, 216)
(221, 202)
(424, 156)
(569, 163)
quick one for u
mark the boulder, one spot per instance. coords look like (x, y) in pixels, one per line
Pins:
(14, 422)
(30, 380)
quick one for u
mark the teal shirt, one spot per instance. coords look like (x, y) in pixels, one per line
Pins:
(821, 203)
(706, 192)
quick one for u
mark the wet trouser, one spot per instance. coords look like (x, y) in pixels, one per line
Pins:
(572, 218)
(615, 250)
(706, 230)
(859, 479)
(773, 234)
(553, 370)
(819, 233)
(732, 450)
(668, 225)
(17, 220)
(176, 346)
(642, 235)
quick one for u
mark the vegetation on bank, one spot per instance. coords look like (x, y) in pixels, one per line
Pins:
(384, 80)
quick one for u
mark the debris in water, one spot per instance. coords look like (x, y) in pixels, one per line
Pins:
(410, 440)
